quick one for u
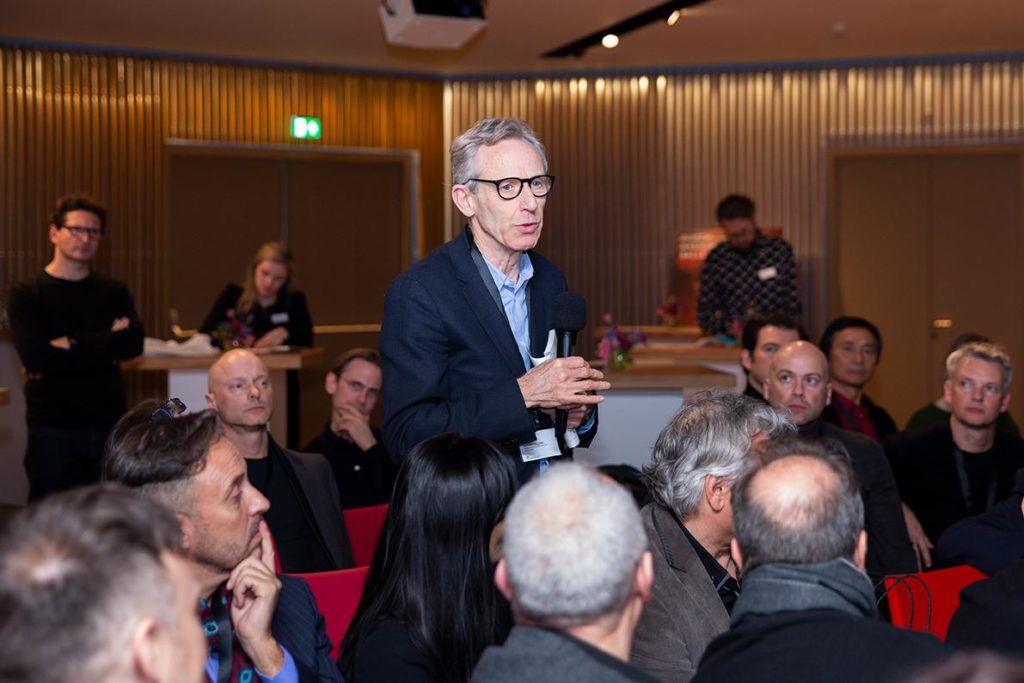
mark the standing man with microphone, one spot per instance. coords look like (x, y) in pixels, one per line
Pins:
(463, 326)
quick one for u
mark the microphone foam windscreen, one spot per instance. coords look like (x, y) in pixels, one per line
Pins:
(569, 312)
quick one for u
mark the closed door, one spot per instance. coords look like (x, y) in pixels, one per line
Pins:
(927, 246)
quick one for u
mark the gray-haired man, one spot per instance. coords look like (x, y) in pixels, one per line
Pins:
(577, 572)
(94, 586)
(462, 326)
(696, 460)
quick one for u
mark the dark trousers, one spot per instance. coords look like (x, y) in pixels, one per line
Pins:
(60, 459)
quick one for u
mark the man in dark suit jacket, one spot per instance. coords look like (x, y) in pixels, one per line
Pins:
(462, 325)
(798, 383)
(305, 507)
(257, 623)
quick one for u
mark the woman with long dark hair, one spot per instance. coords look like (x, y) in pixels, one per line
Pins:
(430, 606)
(262, 312)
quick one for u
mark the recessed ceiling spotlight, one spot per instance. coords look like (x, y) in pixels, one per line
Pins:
(610, 40)
(673, 18)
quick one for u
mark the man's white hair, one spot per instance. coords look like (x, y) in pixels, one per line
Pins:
(573, 539)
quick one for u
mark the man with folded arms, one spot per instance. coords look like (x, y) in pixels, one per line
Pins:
(259, 625)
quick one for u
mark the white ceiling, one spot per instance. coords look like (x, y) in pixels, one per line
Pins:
(347, 33)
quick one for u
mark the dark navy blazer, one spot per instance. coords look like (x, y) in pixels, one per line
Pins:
(450, 361)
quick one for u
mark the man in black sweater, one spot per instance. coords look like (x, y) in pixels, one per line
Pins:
(71, 327)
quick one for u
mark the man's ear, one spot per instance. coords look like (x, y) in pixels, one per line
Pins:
(716, 492)
(188, 530)
(501, 580)
(737, 554)
(461, 197)
(644, 580)
(947, 392)
(745, 360)
(860, 553)
(828, 393)
(146, 650)
(53, 233)
(1005, 405)
(330, 383)
(211, 401)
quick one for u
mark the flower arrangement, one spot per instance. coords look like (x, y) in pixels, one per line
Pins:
(615, 345)
(668, 312)
(233, 333)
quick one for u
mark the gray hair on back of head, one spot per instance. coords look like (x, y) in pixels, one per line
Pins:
(485, 133)
(573, 539)
(710, 436)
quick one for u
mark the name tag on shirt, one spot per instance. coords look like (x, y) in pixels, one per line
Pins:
(546, 446)
(282, 317)
(767, 273)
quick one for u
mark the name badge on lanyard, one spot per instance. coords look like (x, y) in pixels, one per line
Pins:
(545, 446)
(279, 318)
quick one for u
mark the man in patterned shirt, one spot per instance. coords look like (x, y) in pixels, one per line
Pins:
(747, 273)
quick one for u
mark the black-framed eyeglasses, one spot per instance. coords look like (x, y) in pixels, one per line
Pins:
(80, 231)
(510, 188)
(169, 409)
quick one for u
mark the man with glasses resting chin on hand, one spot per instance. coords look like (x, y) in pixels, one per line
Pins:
(71, 327)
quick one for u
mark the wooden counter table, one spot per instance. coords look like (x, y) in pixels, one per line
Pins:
(186, 378)
(638, 406)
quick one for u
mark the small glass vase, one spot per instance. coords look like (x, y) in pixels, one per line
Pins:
(620, 359)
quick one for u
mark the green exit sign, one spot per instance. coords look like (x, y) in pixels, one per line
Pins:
(306, 128)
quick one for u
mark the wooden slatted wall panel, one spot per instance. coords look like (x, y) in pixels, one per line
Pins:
(639, 158)
(96, 122)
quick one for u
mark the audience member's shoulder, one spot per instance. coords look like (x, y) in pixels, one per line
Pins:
(388, 653)
(1010, 442)
(908, 443)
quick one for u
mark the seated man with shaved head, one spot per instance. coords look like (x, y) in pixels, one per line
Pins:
(807, 610)
(305, 507)
(798, 384)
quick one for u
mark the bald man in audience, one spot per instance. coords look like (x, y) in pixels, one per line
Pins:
(798, 383)
(807, 611)
(577, 571)
(94, 586)
(305, 507)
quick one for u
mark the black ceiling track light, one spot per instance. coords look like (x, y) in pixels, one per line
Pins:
(661, 12)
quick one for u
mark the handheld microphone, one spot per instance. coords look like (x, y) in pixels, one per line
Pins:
(568, 316)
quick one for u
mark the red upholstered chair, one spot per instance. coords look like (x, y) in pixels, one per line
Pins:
(926, 601)
(364, 526)
(337, 596)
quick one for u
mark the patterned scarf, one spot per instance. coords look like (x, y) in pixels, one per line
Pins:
(215, 615)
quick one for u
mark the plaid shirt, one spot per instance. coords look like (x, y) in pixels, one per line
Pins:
(736, 284)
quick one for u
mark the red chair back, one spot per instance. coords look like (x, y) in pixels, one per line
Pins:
(364, 526)
(926, 601)
(337, 596)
